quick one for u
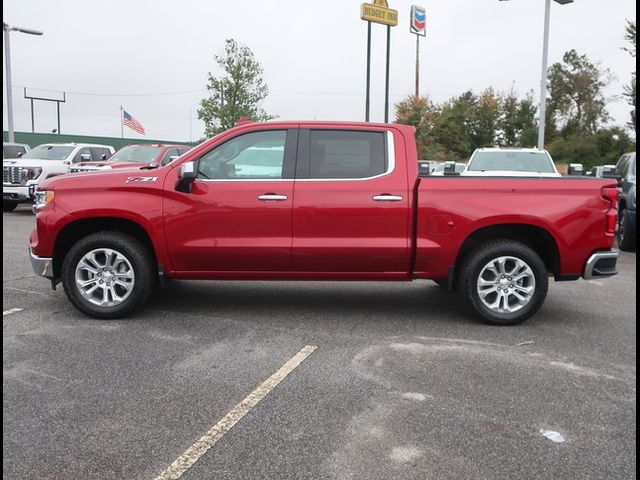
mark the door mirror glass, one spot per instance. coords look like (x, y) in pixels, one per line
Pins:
(575, 169)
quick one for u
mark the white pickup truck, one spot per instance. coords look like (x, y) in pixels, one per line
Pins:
(20, 176)
(511, 162)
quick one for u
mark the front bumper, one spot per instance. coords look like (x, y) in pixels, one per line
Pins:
(601, 264)
(19, 194)
(43, 266)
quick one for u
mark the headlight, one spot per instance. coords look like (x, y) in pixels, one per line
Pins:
(31, 173)
(43, 197)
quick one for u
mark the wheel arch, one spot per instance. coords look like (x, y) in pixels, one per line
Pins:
(74, 231)
(535, 237)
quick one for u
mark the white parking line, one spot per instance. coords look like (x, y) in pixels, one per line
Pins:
(9, 312)
(215, 433)
(25, 291)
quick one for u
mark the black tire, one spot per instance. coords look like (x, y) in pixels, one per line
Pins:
(136, 254)
(473, 264)
(626, 235)
(8, 206)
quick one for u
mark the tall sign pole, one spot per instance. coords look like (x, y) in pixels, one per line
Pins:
(368, 95)
(418, 26)
(378, 12)
(386, 80)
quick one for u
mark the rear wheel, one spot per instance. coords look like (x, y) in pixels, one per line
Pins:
(505, 281)
(626, 235)
(8, 206)
(108, 275)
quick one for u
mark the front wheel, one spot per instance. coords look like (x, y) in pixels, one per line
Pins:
(108, 275)
(505, 281)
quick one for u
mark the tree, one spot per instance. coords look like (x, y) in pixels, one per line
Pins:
(420, 113)
(517, 123)
(630, 90)
(604, 147)
(577, 103)
(235, 95)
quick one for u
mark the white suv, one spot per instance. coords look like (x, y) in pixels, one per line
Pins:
(511, 162)
(20, 176)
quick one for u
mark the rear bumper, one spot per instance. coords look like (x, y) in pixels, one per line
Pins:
(43, 266)
(601, 264)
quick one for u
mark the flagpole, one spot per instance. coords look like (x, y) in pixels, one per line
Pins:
(121, 122)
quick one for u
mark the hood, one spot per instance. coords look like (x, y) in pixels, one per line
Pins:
(121, 177)
(31, 162)
(509, 173)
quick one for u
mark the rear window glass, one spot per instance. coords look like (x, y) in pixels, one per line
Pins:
(346, 154)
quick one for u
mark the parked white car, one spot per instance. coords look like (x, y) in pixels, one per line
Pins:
(511, 162)
(20, 176)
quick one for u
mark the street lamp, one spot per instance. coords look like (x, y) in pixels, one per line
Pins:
(7, 57)
(543, 78)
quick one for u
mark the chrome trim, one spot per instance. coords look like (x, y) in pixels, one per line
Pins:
(387, 198)
(277, 198)
(593, 259)
(391, 156)
(42, 266)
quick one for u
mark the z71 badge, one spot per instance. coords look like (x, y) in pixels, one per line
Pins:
(140, 179)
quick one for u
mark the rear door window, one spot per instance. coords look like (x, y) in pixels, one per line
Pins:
(346, 154)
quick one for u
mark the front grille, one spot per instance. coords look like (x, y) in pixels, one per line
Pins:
(13, 175)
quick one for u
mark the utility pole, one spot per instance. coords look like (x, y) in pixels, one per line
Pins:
(418, 26)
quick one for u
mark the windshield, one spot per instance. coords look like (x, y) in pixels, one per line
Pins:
(511, 161)
(136, 154)
(49, 152)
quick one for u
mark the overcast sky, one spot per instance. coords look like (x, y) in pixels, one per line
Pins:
(145, 55)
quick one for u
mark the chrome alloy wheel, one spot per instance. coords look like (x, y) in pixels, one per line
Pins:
(506, 284)
(105, 277)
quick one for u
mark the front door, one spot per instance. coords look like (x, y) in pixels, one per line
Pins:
(238, 215)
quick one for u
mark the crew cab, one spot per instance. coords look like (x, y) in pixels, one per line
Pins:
(319, 201)
(20, 176)
(134, 156)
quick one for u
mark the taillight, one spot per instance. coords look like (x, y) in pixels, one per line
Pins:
(610, 193)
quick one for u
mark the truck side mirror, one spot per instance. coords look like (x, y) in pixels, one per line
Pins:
(575, 169)
(187, 173)
(424, 168)
(85, 157)
(450, 168)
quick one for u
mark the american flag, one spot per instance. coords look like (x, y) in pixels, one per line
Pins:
(132, 123)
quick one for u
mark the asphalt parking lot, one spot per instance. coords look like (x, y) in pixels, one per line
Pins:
(404, 383)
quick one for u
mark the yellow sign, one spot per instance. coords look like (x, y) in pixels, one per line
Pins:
(378, 13)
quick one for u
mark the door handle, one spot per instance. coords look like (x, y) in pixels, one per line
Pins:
(273, 197)
(385, 197)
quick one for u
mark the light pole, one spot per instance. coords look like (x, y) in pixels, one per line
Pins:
(543, 76)
(7, 58)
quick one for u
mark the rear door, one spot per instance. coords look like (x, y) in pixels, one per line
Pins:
(237, 217)
(351, 202)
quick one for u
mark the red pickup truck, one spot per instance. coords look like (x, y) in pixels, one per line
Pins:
(319, 201)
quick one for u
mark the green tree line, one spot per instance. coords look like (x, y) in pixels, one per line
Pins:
(577, 120)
